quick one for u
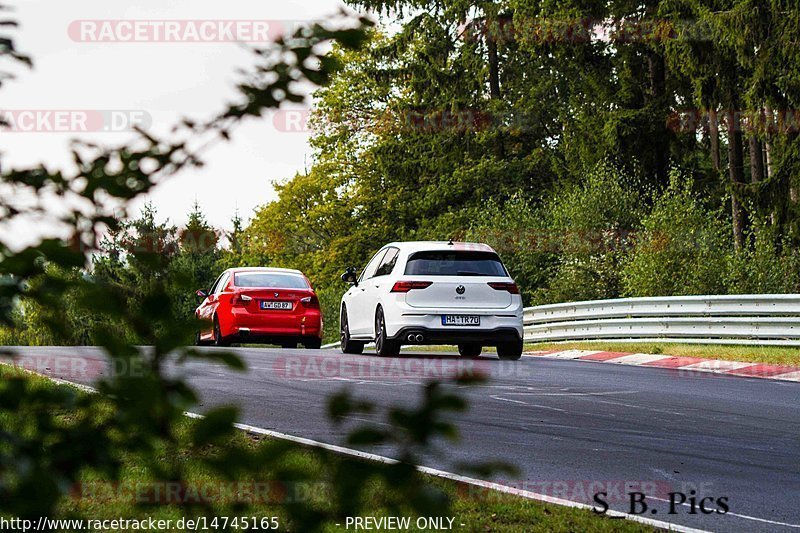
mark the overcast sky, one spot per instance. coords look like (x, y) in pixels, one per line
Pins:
(165, 81)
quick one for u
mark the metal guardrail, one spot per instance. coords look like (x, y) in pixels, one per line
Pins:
(733, 319)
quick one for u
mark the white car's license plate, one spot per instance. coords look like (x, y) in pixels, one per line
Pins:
(276, 305)
(460, 320)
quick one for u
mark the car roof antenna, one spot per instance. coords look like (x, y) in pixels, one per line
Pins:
(450, 242)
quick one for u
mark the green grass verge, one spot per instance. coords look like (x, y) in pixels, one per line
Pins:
(478, 510)
(757, 354)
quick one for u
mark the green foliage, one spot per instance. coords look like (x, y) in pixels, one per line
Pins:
(240, 251)
(196, 264)
(682, 249)
(770, 266)
(518, 231)
(589, 225)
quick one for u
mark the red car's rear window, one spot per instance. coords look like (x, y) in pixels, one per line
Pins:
(269, 280)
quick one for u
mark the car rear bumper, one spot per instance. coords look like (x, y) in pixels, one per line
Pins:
(487, 337)
(401, 317)
(245, 336)
(256, 325)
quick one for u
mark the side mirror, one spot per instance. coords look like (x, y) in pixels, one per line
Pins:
(350, 276)
(201, 293)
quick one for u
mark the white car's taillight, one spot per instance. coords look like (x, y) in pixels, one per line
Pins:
(405, 286)
(501, 286)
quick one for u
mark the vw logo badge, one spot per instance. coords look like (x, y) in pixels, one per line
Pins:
(461, 289)
(277, 294)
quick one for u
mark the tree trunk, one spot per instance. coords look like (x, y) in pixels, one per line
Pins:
(494, 67)
(494, 88)
(756, 160)
(658, 76)
(713, 129)
(778, 195)
(736, 173)
(768, 121)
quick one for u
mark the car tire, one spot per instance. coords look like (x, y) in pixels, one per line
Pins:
(348, 345)
(510, 351)
(470, 349)
(384, 346)
(312, 343)
(198, 341)
(219, 340)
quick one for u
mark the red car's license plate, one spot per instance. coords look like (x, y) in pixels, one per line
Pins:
(282, 306)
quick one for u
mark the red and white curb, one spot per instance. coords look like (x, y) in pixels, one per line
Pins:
(692, 364)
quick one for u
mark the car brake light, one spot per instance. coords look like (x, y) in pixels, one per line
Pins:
(405, 286)
(310, 302)
(501, 286)
(241, 299)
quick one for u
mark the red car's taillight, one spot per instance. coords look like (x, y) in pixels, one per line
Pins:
(405, 286)
(310, 302)
(241, 299)
(500, 286)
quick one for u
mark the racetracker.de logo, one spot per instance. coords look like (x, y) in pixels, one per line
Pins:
(73, 120)
(584, 490)
(184, 493)
(179, 31)
(323, 367)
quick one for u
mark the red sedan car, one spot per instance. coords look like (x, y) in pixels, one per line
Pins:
(267, 305)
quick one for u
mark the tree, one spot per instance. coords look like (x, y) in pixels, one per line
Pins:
(196, 263)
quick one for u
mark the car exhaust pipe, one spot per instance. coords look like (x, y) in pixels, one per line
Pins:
(419, 337)
(411, 337)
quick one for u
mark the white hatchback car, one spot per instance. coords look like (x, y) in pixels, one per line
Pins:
(432, 293)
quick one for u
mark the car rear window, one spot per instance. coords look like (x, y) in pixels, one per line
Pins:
(455, 263)
(270, 280)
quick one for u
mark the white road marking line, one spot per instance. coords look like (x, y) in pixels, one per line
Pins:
(641, 407)
(664, 474)
(743, 516)
(368, 420)
(609, 393)
(528, 404)
(637, 359)
(507, 400)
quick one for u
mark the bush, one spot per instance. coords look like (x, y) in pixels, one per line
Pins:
(683, 249)
(515, 230)
(570, 247)
(589, 225)
(770, 266)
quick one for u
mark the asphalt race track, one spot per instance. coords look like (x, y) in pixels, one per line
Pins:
(570, 427)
